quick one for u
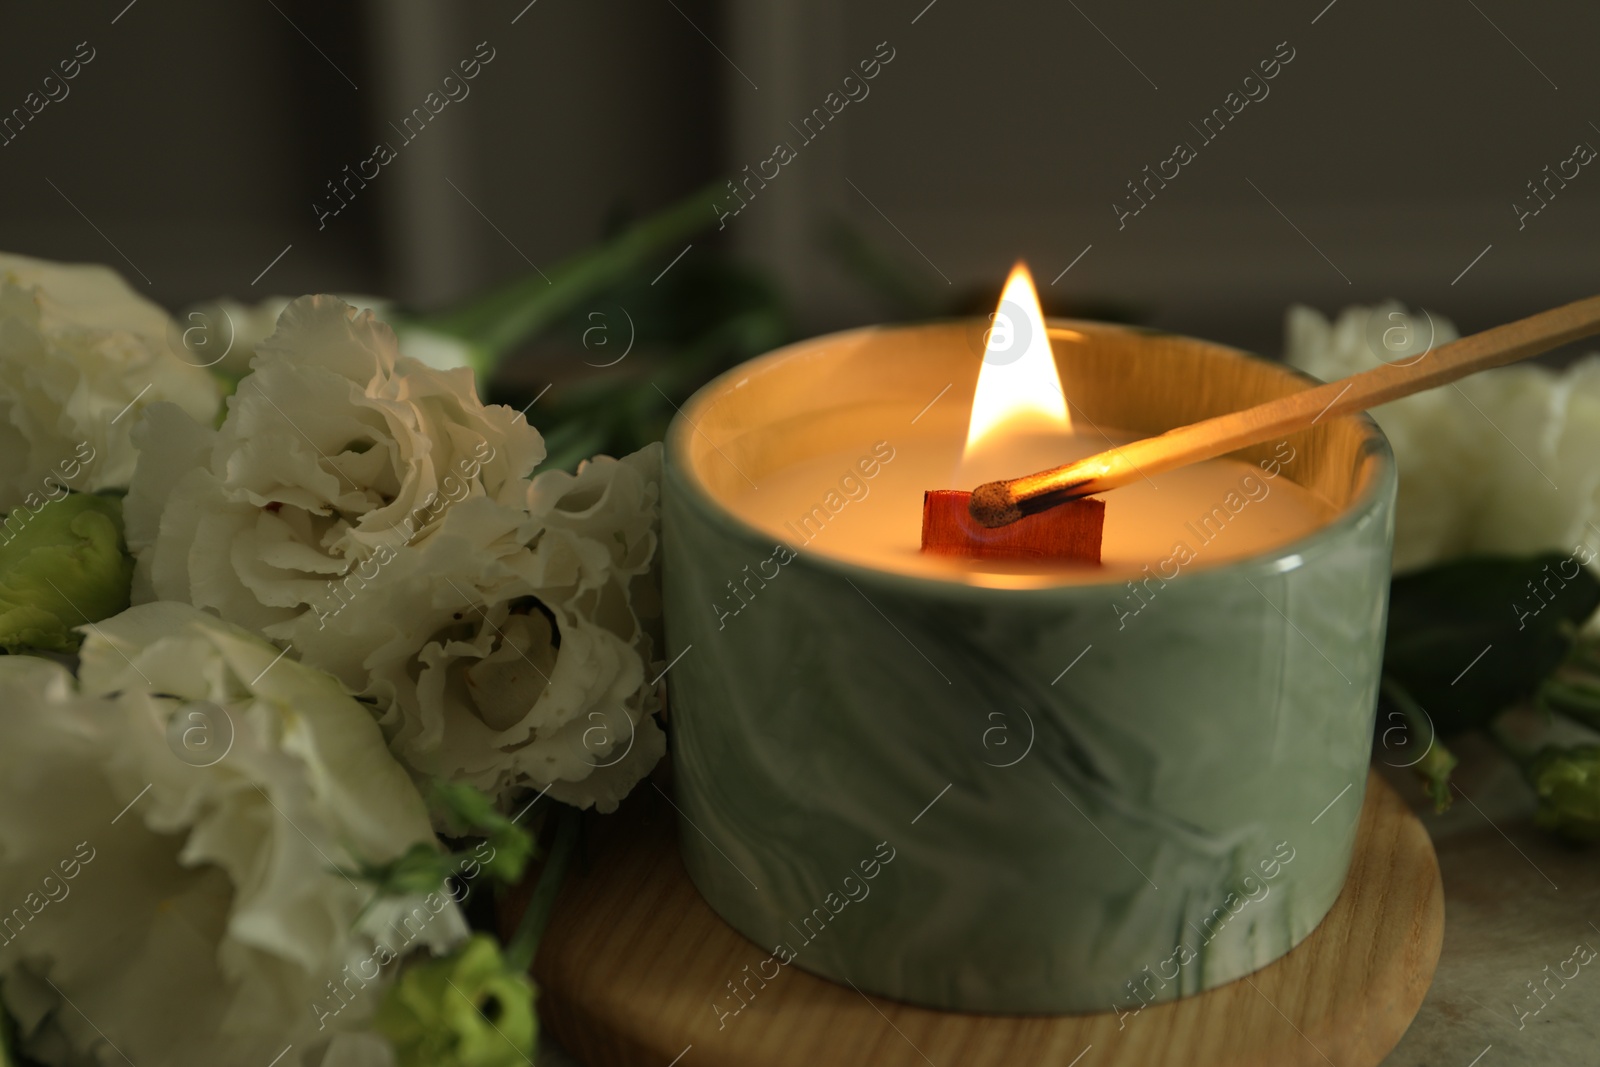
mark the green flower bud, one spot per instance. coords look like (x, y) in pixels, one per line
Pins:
(60, 567)
(467, 1009)
(1567, 781)
(420, 870)
(470, 811)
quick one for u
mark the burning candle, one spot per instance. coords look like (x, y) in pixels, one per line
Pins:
(1074, 767)
(860, 500)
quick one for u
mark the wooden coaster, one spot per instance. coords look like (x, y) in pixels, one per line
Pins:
(634, 959)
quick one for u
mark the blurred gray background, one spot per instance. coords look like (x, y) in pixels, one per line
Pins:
(1385, 160)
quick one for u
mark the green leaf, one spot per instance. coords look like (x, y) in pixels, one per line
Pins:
(617, 412)
(61, 566)
(498, 321)
(1469, 638)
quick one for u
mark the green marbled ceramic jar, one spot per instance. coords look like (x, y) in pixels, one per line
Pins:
(1188, 799)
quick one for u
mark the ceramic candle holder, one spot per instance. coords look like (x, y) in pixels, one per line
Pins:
(898, 782)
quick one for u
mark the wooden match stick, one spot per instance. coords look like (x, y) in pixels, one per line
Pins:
(997, 504)
(1068, 532)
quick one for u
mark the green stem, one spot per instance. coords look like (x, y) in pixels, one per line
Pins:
(524, 944)
(1417, 721)
(1435, 766)
(503, 318)
(1579, 701)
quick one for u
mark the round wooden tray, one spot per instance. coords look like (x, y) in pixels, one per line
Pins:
(634, 962)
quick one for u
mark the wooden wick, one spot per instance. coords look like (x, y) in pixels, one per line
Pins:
(1070, 532)
(997, 504)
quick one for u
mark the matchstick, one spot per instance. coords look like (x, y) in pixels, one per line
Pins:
(999, 504)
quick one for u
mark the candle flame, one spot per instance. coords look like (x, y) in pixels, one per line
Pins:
(1019, 388)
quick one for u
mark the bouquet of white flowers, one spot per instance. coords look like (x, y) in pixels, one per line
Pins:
(298, 641)
(347, 587)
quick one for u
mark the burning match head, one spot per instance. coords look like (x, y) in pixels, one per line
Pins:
(993, 505)
(996, 504)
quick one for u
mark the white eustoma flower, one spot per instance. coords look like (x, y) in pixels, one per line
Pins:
(80, 355)
(373, 515)
(1543, 492)
(336, 453)
(225, 333)
(1501, 462)
(546, 684)
(173, 832)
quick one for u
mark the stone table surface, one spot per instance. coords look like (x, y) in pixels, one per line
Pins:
(1516, 902)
